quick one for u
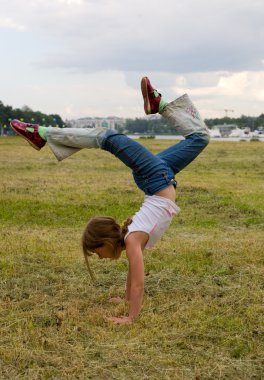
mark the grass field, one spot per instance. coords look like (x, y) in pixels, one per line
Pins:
(203, 313)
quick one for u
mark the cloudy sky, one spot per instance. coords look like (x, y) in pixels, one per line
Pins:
(86, 57)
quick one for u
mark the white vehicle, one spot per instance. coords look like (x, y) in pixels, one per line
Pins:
(215, 132)
(237, 132)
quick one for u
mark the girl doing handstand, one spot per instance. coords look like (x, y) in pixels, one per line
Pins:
(153, 174)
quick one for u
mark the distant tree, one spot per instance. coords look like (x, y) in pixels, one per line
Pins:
(242, 122)
(58, 120)
(7, 113)
(260, 121)
(149, 126)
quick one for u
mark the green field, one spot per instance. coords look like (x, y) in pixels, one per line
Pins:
(203, 312)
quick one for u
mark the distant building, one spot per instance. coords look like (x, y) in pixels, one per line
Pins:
(110, 122)
(229, 130)
(225, 129)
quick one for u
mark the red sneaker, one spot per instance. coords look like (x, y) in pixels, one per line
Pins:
(29, 132)
(151, 97)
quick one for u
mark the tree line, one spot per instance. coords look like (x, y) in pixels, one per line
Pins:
(7, 113)
(158, 125)
(151, 125)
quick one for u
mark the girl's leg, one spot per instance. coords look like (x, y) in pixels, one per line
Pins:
(183, 115)
(151, 174)
(62, 141)
(182, 154)
(144, 164)
(66, 141)
(134, 155)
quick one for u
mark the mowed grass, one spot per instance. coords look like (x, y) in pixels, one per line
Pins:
(203, 309)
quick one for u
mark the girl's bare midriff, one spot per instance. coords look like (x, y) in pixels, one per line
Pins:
(169, 192)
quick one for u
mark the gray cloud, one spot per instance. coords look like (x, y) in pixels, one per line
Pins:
(181, 36)
(75, 51)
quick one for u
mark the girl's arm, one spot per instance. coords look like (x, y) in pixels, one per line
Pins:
(135, 280)
(136, 269)
(128, 284)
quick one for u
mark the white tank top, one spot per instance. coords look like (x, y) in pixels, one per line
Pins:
(154, 217)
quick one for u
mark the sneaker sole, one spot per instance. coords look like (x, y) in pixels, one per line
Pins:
(144, 90)
(25, 138)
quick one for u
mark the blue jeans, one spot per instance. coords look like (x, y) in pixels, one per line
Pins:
(151, 172)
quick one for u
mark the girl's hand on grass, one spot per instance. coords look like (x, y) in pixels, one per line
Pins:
(116, 300)
(120, 320)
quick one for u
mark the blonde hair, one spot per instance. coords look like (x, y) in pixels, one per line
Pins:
(103, 230)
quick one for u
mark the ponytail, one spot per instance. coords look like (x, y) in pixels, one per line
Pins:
(124, 229)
